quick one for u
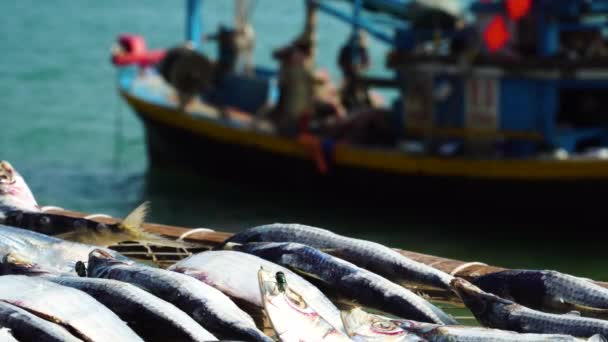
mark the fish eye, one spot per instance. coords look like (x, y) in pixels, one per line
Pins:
(386, 327)
(298, 303)
(297, 300)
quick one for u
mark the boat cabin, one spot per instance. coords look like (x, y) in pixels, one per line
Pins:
(518, 79)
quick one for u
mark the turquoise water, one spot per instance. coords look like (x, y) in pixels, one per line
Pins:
(79, 146)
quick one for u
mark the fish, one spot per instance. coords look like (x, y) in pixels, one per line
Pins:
(206, 305)
(499, 313)
(149, 316)
(235, 274)
(363, 326)
(75, 310)
(365, 254)
(15, 194)
(547, 290)
(290, 315)
(53, 253)
(355, 283)
(26, 326)
(89, 231)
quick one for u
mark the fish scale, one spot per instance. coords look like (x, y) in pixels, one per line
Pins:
(366, 254)
(151, 317)
(27, 327)
(235, 274)
(75, 309)
(367, 327)
(363, 286)
(52, 253)
(547, 291)
(500, 313)
(206, 305)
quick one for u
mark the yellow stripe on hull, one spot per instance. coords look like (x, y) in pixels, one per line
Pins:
(378, 159)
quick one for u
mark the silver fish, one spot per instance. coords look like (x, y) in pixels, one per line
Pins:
(547, 290)
(28, 327)
(355, 283)
(235, 274)
(363, 326)
(89, 231)
(54, 254)
(366, 254)
(208, 306)
(77, 311)
(495, 312)
(290, 315)
(151, 317)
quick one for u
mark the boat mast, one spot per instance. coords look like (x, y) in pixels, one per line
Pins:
(194, 23)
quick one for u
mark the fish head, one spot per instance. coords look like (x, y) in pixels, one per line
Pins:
(476, 300)
(14, 263)
(289, 313)
(246, 236)
(100, 258)
(14, 192)
(363, 326)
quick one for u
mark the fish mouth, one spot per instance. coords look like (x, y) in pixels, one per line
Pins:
(464, 289)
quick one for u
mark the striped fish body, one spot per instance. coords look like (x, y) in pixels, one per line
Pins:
(360, 285)
(28, 327)
(206, 305)
(365, 254)
(495, 312)
(235, 274)
(149, 316)
(547, 290)
(49, 252)
(82, 315)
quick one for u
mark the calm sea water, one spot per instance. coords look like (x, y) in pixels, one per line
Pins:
(80, 147)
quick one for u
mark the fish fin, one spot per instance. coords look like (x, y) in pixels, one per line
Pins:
(129, 229)
(132, 226)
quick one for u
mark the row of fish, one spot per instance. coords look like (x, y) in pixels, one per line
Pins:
(289, 271)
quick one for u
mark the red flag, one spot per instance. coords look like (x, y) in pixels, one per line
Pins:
(496, 34)
(518, 9)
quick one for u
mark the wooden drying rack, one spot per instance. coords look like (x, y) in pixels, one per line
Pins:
(209, 239)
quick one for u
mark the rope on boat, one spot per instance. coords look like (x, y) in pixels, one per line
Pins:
(50, 207)
(465, 266)
(193, 231)
(94, 216)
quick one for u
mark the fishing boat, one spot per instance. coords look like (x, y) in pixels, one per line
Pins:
(501, 103)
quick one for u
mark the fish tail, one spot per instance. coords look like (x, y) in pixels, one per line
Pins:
(132, 227)
(133, 222)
